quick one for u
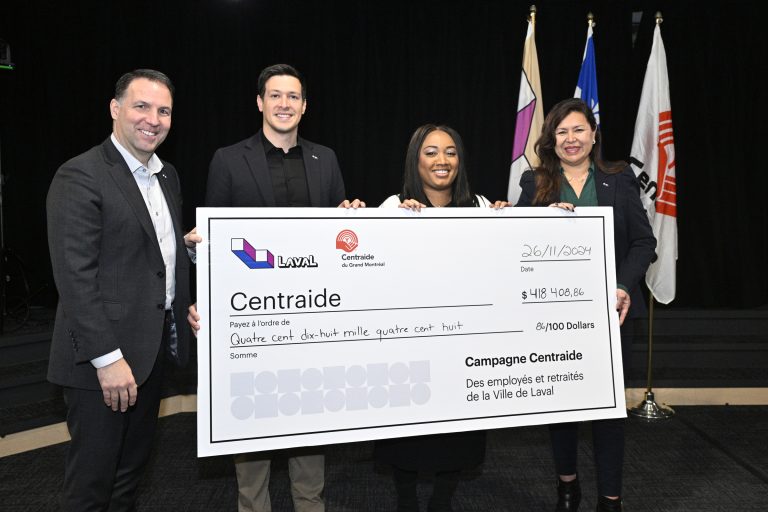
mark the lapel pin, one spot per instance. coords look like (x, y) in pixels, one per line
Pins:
(315, 157)
(605, 184)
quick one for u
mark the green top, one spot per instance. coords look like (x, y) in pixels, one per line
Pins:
(588, 193)
(588, 196)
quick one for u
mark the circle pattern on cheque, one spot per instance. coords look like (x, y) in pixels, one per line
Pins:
(293, 391)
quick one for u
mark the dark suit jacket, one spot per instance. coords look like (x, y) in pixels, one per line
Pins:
(634, 242)
(239, 175)
(108, 268)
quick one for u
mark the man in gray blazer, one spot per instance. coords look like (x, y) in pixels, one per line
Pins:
(122, 272)
(276, 167)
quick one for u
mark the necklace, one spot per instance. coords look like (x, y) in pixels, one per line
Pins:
(439, 205)
(580, 179)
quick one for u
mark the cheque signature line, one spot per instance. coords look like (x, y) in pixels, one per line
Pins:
(556, 261)
(375, 338)
(281, 313)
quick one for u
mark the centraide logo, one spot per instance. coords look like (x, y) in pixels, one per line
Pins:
(346, 240)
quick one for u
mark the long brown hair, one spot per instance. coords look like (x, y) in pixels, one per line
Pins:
(548, 178)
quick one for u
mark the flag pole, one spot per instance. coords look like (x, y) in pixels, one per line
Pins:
(648, 409)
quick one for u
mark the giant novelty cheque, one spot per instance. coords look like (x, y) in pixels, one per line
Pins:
(324, 326)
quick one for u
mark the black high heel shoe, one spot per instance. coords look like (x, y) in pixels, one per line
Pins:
(607, 505)
(568, 496)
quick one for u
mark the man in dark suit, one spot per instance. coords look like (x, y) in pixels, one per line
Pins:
(276, 167)
(122, 273)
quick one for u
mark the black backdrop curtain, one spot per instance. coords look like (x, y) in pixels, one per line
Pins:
(375, 71)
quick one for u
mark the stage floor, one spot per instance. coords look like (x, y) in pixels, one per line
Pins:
(707, 458)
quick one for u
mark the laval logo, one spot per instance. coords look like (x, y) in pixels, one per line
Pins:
(253, 258)
(263, 258)
(346, 240)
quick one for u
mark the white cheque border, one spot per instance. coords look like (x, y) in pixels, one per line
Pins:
(211, 444)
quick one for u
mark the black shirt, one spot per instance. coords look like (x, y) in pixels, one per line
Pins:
(289, 178)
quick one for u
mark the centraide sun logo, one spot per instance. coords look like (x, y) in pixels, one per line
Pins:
(346, 240)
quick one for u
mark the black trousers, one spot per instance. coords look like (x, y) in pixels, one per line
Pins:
(607, 438)
(608, 442)
(109, 450)
(406, 481)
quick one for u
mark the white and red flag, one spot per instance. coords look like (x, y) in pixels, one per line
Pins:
(653, 160)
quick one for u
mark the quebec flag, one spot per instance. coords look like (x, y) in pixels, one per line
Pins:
(586, 88)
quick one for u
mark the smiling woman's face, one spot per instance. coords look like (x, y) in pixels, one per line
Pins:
(573, 140)
(438, 161)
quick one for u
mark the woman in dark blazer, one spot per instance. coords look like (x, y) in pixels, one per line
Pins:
(572, 174)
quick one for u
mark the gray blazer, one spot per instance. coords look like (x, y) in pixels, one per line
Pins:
(108, 268)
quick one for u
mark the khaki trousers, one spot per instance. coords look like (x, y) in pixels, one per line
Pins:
(307, 474)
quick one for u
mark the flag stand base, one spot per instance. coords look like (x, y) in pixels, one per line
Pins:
(649, 410)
